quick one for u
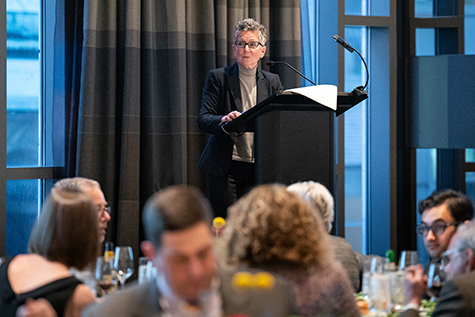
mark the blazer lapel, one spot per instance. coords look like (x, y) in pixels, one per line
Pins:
(234, 86)
(261, 86)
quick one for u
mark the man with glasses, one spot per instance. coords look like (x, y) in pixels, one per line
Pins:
(441, 213)
(93, 189)
(457, 297)
(228, 161)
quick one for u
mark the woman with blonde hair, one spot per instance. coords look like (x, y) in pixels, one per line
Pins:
(275, 230)
(65, 236)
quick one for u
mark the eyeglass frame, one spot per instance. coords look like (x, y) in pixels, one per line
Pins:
(248, 44)
(103, 208)
(430, 228)
(446, 255)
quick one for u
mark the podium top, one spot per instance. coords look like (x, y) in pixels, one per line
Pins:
(287, 100)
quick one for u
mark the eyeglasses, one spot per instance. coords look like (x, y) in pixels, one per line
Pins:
(101, 209)
(438, 228)
(252, 45)
(445, 257)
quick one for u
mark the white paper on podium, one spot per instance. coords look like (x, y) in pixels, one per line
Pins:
(325, 95)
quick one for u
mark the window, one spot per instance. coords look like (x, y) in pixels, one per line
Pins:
(28, 139)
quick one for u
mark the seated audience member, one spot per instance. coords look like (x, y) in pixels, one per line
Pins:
(93, 189)
(177, 223)
(441, 213)
(457, 297)
(322, 199)
(65, 236)
(275, 230)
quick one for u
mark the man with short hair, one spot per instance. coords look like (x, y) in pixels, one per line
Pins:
(457, 297)
(441, 213)
(179, 242)
(93, 189)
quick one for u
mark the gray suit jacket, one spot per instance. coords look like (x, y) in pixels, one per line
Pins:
(457, 299)
(143, 301)
(345, 255)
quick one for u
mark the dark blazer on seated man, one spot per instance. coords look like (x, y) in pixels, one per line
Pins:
(144, 301)
(457, 298)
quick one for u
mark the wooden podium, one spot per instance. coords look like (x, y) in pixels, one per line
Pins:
(293, 137)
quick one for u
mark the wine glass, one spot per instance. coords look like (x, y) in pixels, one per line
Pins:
(123, 263)
(407, 259)
(105, 277)
(436, 278)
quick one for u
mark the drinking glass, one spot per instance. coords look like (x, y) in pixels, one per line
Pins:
(436, 278)
(397, 289)
(407, 259)
(372, 265)
(123, 263)
(105, 277)
(379, 293)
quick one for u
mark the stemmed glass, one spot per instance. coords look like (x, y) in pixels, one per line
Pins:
(123, 263)
(105, 277)
(407, 259)
(436, 279)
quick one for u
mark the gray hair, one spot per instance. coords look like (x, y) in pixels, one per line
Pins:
(319, 196)
(466, 235)
(77, 182)
(250, 25)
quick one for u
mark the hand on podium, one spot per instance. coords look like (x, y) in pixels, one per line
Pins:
(231, 116)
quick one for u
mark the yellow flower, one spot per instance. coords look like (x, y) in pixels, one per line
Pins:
(219, 222)
(242, 280)
(264, 281)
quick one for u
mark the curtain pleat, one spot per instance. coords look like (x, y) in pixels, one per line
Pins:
(144, 64)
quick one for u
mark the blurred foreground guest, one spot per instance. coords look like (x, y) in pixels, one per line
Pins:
(275, 230)
(457, 297)
(65, 236)
(322, 199)
(177, 223)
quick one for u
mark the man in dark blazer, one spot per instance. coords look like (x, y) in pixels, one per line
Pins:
(179, 242)
(457, 297)
(228, 160)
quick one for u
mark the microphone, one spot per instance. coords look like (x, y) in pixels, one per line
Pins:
(343, 43)
(270, 63)
(351, 49)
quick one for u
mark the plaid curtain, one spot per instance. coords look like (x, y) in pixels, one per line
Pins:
(144, 64)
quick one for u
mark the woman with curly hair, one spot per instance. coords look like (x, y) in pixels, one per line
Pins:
(275, 230)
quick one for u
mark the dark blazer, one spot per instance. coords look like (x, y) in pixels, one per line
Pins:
(457, 299)
(143, 301)
(221, 95)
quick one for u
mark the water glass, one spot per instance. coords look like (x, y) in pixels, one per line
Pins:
(379, 296)
(398, 292)
(143, 268)
(371, 265)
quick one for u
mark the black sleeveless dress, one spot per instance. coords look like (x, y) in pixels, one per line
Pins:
(57, 293)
